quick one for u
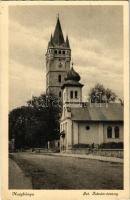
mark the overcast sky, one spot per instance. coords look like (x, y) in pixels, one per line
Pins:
(96, 40)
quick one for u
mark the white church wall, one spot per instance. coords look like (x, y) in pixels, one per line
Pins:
(69, 133)
(75, 133)
(88, 136)
(66, 126)
(97, 132)
(66, 95)
(100, 133)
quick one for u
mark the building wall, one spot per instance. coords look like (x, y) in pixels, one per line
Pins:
(53, 78)
(66, 126)
(88, 136)
(54, 90)
(77, 133)
(75, 127)
(56, 64)
(97, 132)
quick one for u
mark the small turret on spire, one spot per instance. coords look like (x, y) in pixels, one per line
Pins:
(51, 41)
(67, 42)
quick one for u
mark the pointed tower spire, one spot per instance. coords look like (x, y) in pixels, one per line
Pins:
(58, 37)
(67, 42)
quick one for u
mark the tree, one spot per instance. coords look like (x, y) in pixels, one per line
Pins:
(52, 105)
(99, 94)
(33, 125)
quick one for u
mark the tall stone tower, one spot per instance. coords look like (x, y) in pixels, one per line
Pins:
(58, 57)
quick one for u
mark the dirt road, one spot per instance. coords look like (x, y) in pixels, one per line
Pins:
(55, 172)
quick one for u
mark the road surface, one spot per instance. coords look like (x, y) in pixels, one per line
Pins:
(56, 172)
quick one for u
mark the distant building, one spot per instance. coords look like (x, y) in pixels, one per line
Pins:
(90, 123)
(58, 57)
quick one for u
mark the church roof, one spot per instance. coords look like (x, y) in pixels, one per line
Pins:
(72, 75)
(72, 79)
(58, 37)
(114, 112)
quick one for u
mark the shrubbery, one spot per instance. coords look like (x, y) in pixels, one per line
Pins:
(81, 146)
(111, 145)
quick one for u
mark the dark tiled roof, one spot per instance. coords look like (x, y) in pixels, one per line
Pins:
(72, 75)
(58, 37)
(114, 112)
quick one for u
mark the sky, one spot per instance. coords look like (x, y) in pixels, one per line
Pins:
(96, 40)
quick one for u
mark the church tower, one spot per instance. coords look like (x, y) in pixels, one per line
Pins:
(72, 90)
(58, 57)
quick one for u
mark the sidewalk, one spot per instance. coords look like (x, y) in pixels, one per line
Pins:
(17, 179)
(90, 156)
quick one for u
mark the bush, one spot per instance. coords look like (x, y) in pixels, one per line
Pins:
(111, 145)
(81, 146)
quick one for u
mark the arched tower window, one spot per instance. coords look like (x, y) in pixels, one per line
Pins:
(116, 130)
(76, 94)
(71, 94)
(59, 78)
(55, 51)
(109, 132)
(60, 94)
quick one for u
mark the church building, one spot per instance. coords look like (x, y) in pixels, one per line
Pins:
(87, 123)
(81, 123)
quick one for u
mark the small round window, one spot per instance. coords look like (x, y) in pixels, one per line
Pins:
(87, 127)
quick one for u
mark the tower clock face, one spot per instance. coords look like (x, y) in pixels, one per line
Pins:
(61, 63)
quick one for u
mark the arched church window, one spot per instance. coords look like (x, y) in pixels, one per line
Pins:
(60, 52)
(116, 129)
(76, 94)
(71, 94)
(109, 132)
(59, 78)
